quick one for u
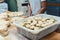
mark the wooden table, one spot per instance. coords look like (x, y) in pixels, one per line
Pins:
(53, 36)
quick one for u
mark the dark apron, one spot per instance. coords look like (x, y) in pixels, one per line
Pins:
(53, 7)
(12, 5)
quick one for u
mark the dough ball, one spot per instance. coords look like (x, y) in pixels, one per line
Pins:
(38, 25)
(28, 26)
(36, 28)
(32, 27)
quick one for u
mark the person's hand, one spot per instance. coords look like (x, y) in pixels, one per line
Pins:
(24, 16)
(42, 10)
(39, 12)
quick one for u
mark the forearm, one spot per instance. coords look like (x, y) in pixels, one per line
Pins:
(29, 9)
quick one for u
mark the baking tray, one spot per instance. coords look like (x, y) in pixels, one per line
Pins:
(37, 34)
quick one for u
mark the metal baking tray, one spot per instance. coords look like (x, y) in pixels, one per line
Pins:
(37, 34)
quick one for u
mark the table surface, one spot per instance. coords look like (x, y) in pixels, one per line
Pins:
(53, 36)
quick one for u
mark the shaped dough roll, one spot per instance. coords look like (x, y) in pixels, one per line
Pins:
(3, 16)
(32, 27)
(4, 27)
(15, 14)
(28, 26)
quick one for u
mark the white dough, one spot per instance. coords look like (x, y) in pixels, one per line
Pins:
(36, 28)
(28, 26)
(4, 24)
(38, 25)
(14, 14)
(32, 27)
(3, 16)
(1, 37)
(36, 22)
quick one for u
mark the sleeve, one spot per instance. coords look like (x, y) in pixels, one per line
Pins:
(6, 6)
(43, 0)
(3, 7)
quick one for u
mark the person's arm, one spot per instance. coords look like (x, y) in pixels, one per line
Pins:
(43, 7)
(29, 9)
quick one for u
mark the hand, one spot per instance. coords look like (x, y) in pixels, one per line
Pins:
(42, 10)
(24, 16)
(39, 12)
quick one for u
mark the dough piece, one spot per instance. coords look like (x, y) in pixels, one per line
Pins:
(38, 25)
(44, 25)
(44, 19)
(15, 14)
(4, 27)
(28, 26)
(33, 23)
(40, 22)
(24, 23)
(32, 27)
(3, 16)
(4, 24)
(36, 22)
(29, 21)
(52, 20)
(38, 18)
(36, 28)
(4, 33)
(16, 19)
(1, 37)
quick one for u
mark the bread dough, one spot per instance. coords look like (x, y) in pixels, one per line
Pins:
(38, 22)
(1, 37)
(3, 16)
(15, 14)
(4, 24)
(4, 27)
(13, 19)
